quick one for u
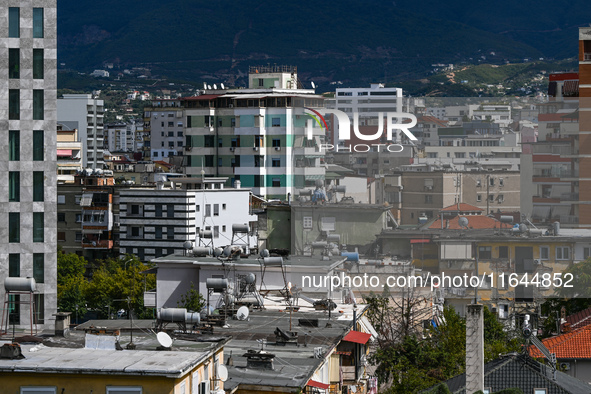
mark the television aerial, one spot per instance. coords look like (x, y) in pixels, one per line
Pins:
(463, 222)
(222, 373)
(242, 313)
(164, 339)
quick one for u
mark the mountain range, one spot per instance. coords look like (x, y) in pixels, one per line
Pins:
(355, 42)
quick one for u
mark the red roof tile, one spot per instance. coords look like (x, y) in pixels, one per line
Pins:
(163, 163)
(576, 344)
(202, 97)
(477, 222)
(563, 76)
(357, 337)
(463, 208)
(580, 319)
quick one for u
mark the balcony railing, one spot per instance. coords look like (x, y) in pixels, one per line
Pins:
(569, 197)
(569, 219)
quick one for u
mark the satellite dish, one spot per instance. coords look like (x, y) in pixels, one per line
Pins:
(242, 313)
(222, 373)
(523, 228)
(265, 253)
(164, 339)
(313, 85)
(209, 87)
(217, 252)
(227, 251)
(204, 86)
(188, 245)
(215, 86)
(463, 222)
(222, 85)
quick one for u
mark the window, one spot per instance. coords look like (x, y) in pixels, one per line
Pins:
(275, 122)
(170, 232)
(540, 391)
(307, 222)
(500, 198)
(478, 197)
(14, 186)
(14, 22)
(209, 161)
(37, 22)
(562, 253)
(38, 145)
(233, 122)
(14, 104)
(14, 63)
(14, 227)
(428, 199)
(258, 141)
(14, 147)
(491, 197)
(124, 390)
(235, 143)
(216, 231)
(171, 144)
(491, 181)
(135, 209)
(37, 63)
(38, 230)
(586, 253)
(170, 124)
(170, 211)
(14, 265)
(276, 162)
(38, 104)
(78, 236)
(503, 252)
(501, 182)
(61, 199)
(276, 143)
(207, 210)
(135, 231)
(276, 182)
(223, 228)
(61, 217)
(38, 185)
(224, 207)
(39, 309)
(484, 252)
(61, 235)
(158, 231)
(39, 267)
(78, 218)
(544, 252)
(216, 209)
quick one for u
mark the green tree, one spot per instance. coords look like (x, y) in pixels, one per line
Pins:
(192, 300)
(119, 284)
(71, 283)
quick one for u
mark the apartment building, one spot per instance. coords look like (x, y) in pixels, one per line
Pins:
(85, 113)
(28, 169)
(164, 121)
(69, 154)
(256, 135)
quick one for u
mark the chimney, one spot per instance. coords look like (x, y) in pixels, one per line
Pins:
(474, 348)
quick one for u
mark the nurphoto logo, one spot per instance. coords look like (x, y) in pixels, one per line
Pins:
(394, 128)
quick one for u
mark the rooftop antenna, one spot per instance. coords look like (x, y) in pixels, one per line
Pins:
(164, 340)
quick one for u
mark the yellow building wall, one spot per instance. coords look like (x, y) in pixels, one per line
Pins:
(86, 383)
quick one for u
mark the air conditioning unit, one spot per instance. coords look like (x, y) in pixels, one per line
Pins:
(428, 187)
(565, 366)
(230, 105)
(232, 149)
(277, 148)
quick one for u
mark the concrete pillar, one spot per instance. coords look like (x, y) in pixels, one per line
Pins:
(474, 349)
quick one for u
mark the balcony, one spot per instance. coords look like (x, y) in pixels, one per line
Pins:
(569, 197)
(97, 244)
(569, 219)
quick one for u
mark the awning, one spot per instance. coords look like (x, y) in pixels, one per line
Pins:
(314, 177)
(420, 241)
(320, 385)
(357, 337)
(64, 152)
(86, 200)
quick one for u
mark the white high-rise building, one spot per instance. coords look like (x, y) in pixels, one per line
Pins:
(85, 113)
(28, 169)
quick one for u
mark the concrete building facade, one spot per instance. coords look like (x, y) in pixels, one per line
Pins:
(85, 113)
(28, 170)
